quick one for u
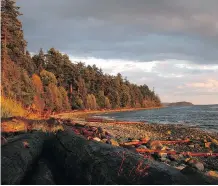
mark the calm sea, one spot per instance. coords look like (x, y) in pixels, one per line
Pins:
(201, 116)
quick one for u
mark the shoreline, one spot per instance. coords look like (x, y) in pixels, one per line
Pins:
(177, 146)
(84, 113)
(201, 141)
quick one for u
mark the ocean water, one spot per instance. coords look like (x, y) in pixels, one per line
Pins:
(199, 116)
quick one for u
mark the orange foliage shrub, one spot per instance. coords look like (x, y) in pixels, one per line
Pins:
(39, 102)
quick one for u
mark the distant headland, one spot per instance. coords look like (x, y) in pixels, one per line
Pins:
(181, 103)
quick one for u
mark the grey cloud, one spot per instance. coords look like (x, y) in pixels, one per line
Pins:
(142, 30)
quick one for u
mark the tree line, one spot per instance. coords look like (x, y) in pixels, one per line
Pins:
(48, 80)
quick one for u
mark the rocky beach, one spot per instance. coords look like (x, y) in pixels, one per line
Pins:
(72, 150)
(178, 146)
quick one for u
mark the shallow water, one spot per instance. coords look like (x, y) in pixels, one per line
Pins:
(201, 116)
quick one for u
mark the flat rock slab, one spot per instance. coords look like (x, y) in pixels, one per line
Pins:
(17, 160)
(90, 162)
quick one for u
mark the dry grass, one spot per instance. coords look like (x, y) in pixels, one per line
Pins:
(11, 108)
(44, 127)
(14, 126)
(17, 125)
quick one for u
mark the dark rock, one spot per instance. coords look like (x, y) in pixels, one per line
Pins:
(173, 157)
(162, 155)
(130, 139)
(16, 160)
(41, 175)
(100, 130)
(82, 161)
(80, 125)
(142, 147)
(199, 166)
(194, 174)
(191, 146)
(105, 140)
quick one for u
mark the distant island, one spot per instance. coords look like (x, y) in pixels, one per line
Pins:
(181, 103)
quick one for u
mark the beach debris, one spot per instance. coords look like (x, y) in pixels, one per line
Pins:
(96, 139)
(214, 141)
(26, 144)
(173, 157)
(191, 146)
(113, 142)
(142, 147)
(155, 145)
(212, 173)
(162, 154)
(163, 159)
(104, 140)
(207, 145)
(3, 140)
(199, 166)
(145, 139)
(180, 167)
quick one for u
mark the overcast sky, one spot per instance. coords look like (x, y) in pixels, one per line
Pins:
(167, 44)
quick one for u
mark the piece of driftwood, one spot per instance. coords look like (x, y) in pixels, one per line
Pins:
(18, 156)
(89, 162)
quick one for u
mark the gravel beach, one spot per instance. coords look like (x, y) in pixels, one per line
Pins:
(200, 141)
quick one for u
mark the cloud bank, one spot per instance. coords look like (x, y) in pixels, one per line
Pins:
(167, 44)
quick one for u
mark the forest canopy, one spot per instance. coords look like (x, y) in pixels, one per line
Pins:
(48, 80)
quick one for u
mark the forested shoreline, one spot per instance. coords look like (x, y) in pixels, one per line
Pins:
(49, 81)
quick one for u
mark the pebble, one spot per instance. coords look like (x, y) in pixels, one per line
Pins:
(180, 167)
(207, 145)
(130, 146)
(212, 173)
(165, 148)
(192, 146)
(173, 157)
(162, 155)
(104, 140)
(96, 139)
(214, 141)
(145, 139)
(93, 129)
(142, 147)
(163, 159)
(130, 139)
(114, 142)
(199, 166)
(100, 130)
(156, 145)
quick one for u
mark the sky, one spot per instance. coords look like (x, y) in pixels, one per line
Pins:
(167, 44)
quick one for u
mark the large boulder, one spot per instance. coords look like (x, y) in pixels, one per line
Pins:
(41, 175)
(90, 162)
(18, 156)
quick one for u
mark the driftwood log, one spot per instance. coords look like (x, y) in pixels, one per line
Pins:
(90, 162)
